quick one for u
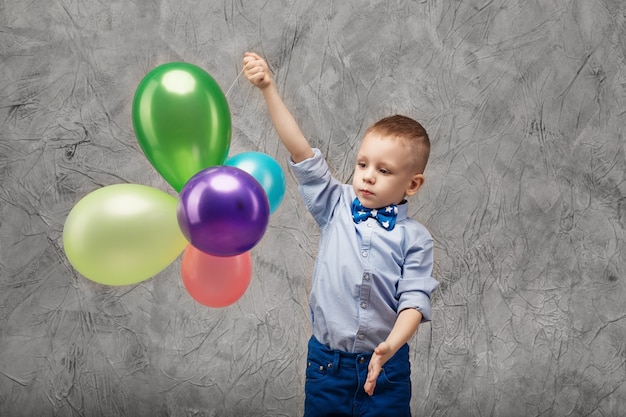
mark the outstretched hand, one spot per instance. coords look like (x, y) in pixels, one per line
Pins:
(256, 70)
(381, 355)
(406, 325)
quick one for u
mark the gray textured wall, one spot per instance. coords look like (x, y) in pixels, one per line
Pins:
(525, 102)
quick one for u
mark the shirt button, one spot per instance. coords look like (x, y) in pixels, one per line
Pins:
(361, 336)
(366, 277)
(364, 253)
(363, 305)
(369, 224)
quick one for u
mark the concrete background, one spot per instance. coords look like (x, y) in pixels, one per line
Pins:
(525, 103)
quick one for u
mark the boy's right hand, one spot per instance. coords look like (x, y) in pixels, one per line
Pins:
(256, 70)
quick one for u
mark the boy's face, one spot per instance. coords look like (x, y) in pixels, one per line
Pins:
(384, 173)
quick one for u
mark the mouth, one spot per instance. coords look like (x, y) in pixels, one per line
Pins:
(366, 193)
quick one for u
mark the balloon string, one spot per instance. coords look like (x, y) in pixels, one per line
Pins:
(234, 82)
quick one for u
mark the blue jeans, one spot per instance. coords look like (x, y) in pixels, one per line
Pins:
(335, 379)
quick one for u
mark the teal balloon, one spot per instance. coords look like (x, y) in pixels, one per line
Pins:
(182, 121)
(266, 171)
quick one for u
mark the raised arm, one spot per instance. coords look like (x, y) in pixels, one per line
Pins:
(257, 72)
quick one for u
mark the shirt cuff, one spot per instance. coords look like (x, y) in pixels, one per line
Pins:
(309, 169)
(417, 298)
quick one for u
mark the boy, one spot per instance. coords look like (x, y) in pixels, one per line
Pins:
(372, 280)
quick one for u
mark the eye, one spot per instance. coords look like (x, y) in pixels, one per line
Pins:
(360, 164)
(384, 171)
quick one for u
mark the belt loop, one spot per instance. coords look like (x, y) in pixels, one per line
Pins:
(333, 367)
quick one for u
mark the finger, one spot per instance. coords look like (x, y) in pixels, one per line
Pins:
(252, 71)
(372, 375)
(250, 54)
(250, 63)
(247, 59)
(254, 68)
(255, 74)
(257, 79)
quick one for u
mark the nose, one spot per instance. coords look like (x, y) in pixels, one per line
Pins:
(368, 176)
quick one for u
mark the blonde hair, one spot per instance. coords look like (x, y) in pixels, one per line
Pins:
(410, 132)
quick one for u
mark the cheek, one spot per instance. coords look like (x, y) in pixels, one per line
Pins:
(396, 187)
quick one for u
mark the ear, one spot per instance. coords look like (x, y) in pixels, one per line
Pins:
(416, 183)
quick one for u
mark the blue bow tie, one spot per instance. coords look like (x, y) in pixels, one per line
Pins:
(386, 216)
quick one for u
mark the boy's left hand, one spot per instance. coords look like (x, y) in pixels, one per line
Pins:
(256, 70)
(381, 355)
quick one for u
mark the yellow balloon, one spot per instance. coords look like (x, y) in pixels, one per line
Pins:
(123, 234)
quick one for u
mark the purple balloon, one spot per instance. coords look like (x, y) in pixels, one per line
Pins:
(223, 211)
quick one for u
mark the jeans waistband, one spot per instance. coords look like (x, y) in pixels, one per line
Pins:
(338, 358)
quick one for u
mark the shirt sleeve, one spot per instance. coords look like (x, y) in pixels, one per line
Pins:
(417, 283)
(318, 188)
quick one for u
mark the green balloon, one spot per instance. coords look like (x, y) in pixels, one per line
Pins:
(182, 121)
(123, 234)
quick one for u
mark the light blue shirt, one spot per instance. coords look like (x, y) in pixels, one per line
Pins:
(364, 275)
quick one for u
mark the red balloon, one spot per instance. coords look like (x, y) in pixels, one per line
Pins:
(215, 281)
